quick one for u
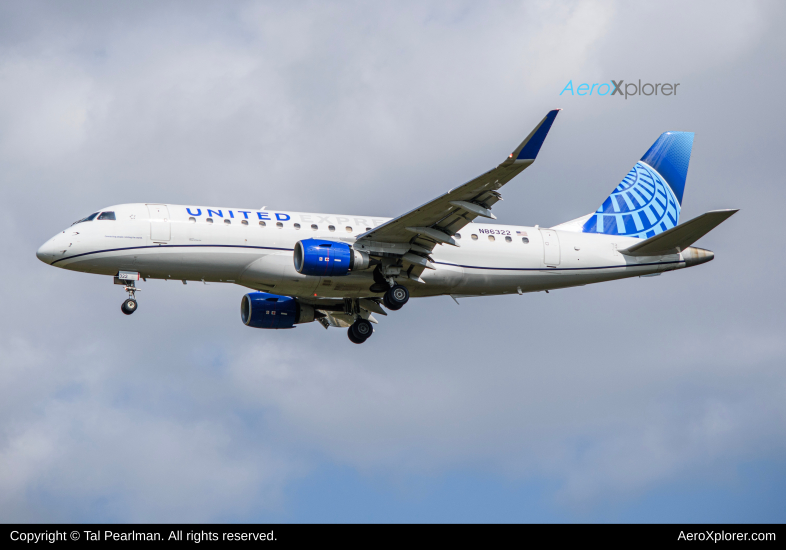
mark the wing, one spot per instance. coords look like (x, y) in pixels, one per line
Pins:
(415, 234)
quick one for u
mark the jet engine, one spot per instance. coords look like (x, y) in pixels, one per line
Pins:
(263, 310)
(323, 258)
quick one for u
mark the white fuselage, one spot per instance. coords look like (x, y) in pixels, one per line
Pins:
(254, 249)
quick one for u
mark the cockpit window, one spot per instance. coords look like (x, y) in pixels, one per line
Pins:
(107, 216)
(90, 218)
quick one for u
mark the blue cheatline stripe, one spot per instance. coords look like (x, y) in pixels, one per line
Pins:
(289, 249)
(558, 268)
(171, 246)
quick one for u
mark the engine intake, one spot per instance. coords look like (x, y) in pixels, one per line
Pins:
(323, 258)
(263, 310)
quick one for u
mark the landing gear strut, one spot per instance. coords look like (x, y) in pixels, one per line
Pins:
(395, 298)
(130, 306)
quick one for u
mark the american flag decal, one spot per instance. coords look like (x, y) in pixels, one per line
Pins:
(521, 233)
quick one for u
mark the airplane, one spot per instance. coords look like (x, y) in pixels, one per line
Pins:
(341, 270)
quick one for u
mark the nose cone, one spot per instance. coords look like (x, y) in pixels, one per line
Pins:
(47, 252)
(695, 256)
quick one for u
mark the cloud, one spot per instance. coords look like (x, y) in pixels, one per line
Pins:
(99, 445)
(617, 430)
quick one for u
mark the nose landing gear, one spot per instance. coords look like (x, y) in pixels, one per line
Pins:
(130, 306)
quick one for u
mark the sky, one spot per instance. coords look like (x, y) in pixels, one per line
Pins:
(657, 399)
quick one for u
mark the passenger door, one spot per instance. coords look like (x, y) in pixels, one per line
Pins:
(160, 230)
(551, 252)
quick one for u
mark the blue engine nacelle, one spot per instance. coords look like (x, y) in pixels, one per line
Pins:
(263, 310)
(323, 258)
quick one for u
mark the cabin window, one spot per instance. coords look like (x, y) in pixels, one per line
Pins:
(525, 240)
(331, 228)
(209, 220)
(279, 225)
(192, 219)
(90, 218)
(508, 240)
(244, 222)
(262, 224)
(107, 216)
(349, 229)
(227, 222)
(491, 238)
(474, 237)
(314, 227)
(458, 236)
(297, 226)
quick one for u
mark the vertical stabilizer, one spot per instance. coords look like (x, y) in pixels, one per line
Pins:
(648, 201)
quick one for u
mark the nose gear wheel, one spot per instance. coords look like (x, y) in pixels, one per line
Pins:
(129, 306)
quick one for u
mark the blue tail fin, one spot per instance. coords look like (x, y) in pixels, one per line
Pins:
(648, 200)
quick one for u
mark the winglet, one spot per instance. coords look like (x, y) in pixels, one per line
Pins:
(530, 147)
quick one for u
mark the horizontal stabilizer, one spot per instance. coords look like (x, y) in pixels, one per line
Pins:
(677, 239)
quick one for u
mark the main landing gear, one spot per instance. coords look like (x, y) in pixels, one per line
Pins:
(395, 298)
(395, 295)
(130, 306)
(360, 331)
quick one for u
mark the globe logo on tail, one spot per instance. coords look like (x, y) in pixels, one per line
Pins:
(642, 206)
